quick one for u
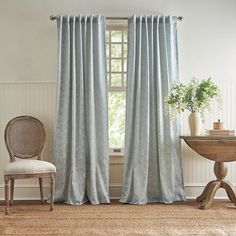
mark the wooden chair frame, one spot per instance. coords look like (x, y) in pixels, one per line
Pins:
(10, 178)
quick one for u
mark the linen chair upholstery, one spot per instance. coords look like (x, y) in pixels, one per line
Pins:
(25, 139)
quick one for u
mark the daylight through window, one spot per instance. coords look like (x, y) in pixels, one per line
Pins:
(116, 74)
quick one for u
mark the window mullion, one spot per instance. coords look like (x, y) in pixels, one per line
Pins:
(122, 55)
(109, 59)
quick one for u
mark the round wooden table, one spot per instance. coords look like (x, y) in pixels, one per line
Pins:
(219, 149)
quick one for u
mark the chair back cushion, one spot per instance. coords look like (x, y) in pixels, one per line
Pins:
(24, 137)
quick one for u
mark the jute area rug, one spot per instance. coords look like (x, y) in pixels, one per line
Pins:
(120, 219)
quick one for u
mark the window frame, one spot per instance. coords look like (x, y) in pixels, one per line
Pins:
(117, 26)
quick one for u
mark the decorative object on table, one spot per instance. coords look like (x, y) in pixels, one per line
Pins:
(218, 130)
(196, 97)
(218, 125)
(195, 123)
(223, 132)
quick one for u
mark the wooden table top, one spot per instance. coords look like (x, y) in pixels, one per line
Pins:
(207, 137)
(215, 148)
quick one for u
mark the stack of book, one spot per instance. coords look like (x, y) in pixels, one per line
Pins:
(220, 132)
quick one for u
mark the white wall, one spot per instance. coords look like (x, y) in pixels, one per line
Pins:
(28, 60)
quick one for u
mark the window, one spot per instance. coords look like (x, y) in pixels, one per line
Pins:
(116, 42)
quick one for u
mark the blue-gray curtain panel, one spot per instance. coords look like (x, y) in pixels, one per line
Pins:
(81, 129)
(152, 165)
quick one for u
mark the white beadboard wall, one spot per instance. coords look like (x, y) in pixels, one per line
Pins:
(38, 99)
(26, 98)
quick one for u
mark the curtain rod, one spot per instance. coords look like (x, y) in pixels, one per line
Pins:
(180, 18)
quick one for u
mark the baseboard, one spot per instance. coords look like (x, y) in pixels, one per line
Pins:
(23, 192)
(192, 191)
(31, 192)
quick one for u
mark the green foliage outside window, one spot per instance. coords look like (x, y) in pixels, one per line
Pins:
(117, 72)
(116, 110)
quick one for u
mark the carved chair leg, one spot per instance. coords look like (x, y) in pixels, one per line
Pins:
(12, 191)
(7, 194)
(41, 190)
(52, 191)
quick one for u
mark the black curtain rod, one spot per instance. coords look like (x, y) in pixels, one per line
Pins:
(52, 17)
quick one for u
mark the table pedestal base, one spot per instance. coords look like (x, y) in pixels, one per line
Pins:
(207, 196)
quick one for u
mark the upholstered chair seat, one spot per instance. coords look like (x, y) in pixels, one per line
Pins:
(29, 167)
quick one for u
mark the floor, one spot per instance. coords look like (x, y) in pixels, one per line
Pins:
(119, 219)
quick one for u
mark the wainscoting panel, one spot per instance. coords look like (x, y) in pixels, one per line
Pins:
(26, 98)
(198, 170)
(38, 99)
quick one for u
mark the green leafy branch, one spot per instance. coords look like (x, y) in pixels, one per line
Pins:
(196, 96)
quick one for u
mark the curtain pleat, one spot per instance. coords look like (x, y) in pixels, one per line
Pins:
(152, 162)
(81, 129)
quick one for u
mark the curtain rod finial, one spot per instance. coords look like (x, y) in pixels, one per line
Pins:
(52, 17)
(180, 18)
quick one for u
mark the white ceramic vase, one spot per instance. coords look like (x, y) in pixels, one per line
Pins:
(195, 123)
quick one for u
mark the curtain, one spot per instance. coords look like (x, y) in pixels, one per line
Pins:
(81, 129)
(152, 162)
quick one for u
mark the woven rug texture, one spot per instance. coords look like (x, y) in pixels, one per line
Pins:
(120, 219)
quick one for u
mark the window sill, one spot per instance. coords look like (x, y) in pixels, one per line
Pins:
(116, 154)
